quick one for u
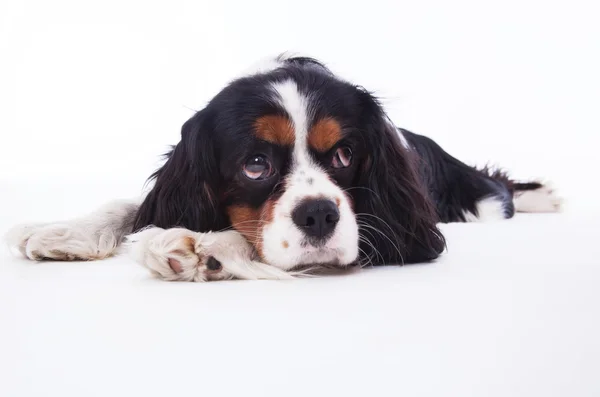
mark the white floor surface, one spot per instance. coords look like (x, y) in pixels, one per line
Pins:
(512, 309)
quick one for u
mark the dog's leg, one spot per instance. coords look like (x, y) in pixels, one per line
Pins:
(95, 236)
(179, 254)
(536, 197)
(172, 254)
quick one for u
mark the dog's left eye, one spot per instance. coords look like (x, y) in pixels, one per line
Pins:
(258, 167)
(342, 157)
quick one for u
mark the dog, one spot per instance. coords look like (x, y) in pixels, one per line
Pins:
(289, 169)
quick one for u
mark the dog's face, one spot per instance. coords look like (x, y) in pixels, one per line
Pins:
(297, 161)
(293, 160)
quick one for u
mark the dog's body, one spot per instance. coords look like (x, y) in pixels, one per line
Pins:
(286, 169)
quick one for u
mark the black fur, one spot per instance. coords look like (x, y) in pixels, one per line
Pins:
(393, 207)
(399, 193)
(454, 186)
(184, 193)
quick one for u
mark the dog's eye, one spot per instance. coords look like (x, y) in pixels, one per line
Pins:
(257, 167)
(342, 157)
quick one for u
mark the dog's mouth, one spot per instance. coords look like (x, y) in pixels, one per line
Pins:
(312, 243)
(323, 269)
(320, 255)
(322, 259)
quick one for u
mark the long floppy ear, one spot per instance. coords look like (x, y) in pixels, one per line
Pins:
(185, 192)
(395, 213)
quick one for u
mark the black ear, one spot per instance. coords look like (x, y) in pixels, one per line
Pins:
(186, 187)
(396, 216)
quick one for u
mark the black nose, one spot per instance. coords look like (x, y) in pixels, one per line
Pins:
(317, 218)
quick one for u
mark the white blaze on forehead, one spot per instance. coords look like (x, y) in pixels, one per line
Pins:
(306, 180)
(296, 105)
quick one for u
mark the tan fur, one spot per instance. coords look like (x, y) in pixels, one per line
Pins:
(250, 221)
(324, 135)
(275, 129)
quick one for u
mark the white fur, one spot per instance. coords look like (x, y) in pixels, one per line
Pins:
(99, 234)
(95, 236)
(306, 180)
(488, 210)
(543, 199)
(154, 247)
(297, 107)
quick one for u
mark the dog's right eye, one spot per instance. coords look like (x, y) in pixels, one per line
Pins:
(258, 167)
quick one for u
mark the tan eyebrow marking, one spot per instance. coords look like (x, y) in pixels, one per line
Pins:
(275, 129)
(324, 134)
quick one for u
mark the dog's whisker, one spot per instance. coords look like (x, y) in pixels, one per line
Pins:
(371, 227)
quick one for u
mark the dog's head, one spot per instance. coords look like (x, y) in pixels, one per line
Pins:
(305, 165)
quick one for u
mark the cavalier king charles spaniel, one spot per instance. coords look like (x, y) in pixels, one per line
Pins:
(288, 170)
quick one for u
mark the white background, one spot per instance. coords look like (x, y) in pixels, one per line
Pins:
(515, 83)
(91, 93)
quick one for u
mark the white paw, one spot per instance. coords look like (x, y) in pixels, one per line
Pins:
(544, 199)
(183, 255)
(61, 242)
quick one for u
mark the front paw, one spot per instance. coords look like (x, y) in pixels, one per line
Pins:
(62, 242)
(18, 237)
(176, 255)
